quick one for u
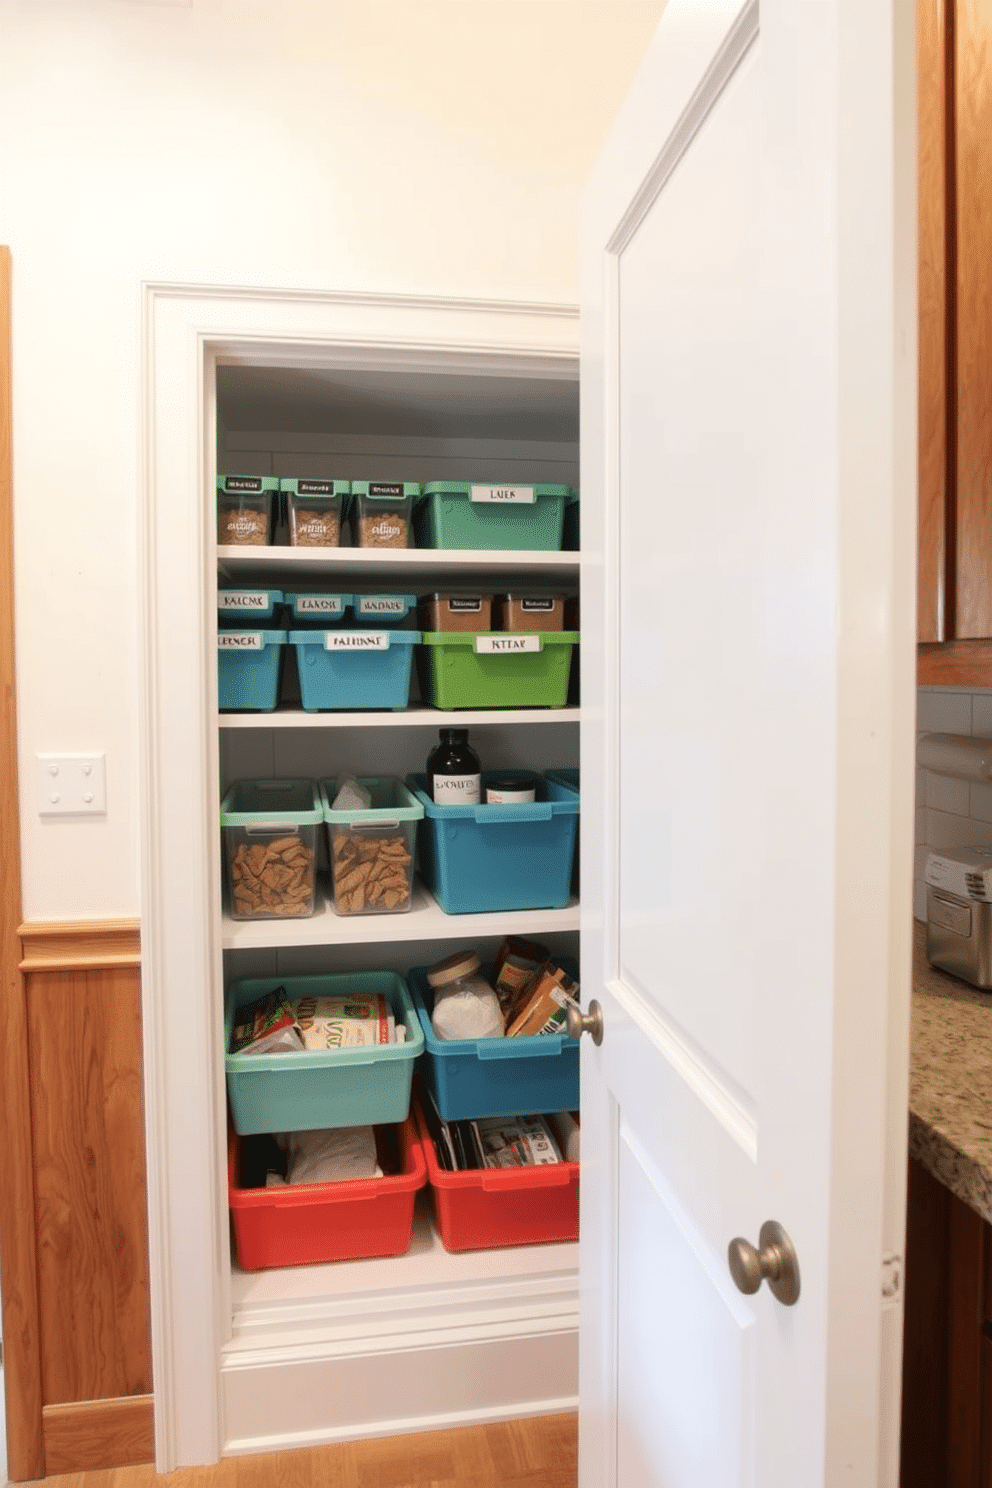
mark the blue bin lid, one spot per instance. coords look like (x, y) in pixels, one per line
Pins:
(247, 604)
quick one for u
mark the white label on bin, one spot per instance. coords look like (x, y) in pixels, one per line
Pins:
(311, 604)
(380, 605)
(355, 640)
(519, 495)
(235, 640)
(488, 644)
(457, 790)
(238, 599)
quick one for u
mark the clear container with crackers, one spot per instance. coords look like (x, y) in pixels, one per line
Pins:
(371, 841)
(381, 513)
(270, 846)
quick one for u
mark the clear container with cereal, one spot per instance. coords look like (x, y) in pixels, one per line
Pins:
(244, 509)
(270, 848)
(314, 510)
(380, 513)
(371, 849)
(529, 612)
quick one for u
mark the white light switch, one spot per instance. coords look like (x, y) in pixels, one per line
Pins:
(72, 785)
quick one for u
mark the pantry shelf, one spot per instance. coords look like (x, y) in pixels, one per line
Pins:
(424, 921)
(417, 717)
(417, 566)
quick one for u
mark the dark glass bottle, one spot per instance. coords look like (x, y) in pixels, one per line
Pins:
(453, 770)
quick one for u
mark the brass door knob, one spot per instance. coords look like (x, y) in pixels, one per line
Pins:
(579, 1023)
(776, 1262)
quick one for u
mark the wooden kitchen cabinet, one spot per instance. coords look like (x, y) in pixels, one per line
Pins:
(955, 342)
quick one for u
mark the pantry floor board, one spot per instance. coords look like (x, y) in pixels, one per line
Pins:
(538, 1453)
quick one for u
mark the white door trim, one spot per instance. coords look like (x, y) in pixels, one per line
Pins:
(186, 330)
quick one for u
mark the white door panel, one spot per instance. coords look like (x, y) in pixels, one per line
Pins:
(722, 759)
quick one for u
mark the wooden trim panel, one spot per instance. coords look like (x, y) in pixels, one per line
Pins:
(82, 945)
(934, 310)
(955, 664)
(99, 1434)
(18, 1265)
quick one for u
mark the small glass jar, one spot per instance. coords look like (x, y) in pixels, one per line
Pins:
(465, 1005)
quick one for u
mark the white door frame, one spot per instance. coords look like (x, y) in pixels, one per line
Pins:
(199, 1412)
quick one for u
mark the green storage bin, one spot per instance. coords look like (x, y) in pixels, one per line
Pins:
(496, 669)
(464, 514)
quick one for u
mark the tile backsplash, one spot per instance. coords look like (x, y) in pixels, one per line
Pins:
(949, 812)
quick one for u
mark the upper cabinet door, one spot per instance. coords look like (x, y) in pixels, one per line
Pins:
(749, 563)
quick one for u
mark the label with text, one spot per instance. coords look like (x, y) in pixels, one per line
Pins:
(380, 605)
(234, 640)
(457, 790)
(489, 645)
(355, 640)
(242, 483)
(235, 599)
(515, 495)
(315, 604)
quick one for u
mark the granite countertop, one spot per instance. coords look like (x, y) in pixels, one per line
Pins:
(950, 1080)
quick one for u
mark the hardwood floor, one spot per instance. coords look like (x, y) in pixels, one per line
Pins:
(539, 1453)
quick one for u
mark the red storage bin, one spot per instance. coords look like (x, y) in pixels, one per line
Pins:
(486, 1208)
(308, 1223)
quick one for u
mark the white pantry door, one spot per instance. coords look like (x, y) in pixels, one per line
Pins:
(748, 541)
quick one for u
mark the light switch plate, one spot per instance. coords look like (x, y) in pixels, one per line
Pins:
(72, 785)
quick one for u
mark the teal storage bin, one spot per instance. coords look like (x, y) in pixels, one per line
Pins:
(354, 669)
(271, 824)
(473, 1078)
(312, 1089)
(382, 609)
(459, 669)
(249, 667)
(480, 859)
(463, 514)
(239, 608)
(317, 611)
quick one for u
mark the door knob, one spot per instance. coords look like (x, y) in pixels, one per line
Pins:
(776, 1262)
(579, 1023)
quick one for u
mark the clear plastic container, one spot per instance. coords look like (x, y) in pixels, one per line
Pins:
(371, 851)
(270, 843)
(314, 511)
(380, 513)
(244, 509)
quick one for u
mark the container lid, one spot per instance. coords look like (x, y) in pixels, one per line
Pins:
(461, 964)
(271, 804)
(383, 606)
(325, 490)
(247, 602)
(492, 490)
(247, 485)
(318, 606)
(379, 490)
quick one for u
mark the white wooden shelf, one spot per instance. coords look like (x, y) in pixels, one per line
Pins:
(417, 566)
(425, 920)
(416, 716)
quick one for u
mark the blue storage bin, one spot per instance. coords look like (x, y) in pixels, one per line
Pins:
(472, 1078)
(565, 775)
(354, 669)
(248, 669)
(317, 610)
(382, 609)
(477, 859)
(240, 607)
(322, 1088)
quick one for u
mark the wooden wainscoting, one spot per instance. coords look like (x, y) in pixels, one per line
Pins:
(82, 995)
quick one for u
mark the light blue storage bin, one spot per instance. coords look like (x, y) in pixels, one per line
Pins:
(237, 608)
(472, 1078)
(322, 1088)
(354, 669)
(317, 611)
(477, 859)
(565, 775)
(248, 669)
(382, 609)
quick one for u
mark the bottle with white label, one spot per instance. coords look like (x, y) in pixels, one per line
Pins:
(454, 772)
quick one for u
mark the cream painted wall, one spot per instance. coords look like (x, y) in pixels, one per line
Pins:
(420, 146)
